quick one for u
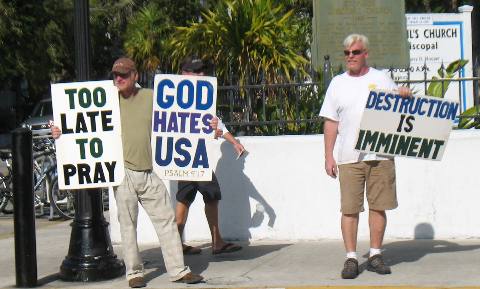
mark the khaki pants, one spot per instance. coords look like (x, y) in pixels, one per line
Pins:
(145, 187)
(378, 177)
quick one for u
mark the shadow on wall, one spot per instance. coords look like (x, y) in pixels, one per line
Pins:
(235, 214)
(424, 243)
(424, 231)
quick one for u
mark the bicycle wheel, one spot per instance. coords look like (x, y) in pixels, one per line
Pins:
(6, 197)
(62, 201)
(41, 184)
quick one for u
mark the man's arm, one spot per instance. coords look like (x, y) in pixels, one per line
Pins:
(236, 145)
(330, 130)
(55, 130)
(215, 126)
(221, 131)
(404, 91)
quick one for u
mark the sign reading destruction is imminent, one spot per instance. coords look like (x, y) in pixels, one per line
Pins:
(89, 152)
(183, 107)
(382, 21)
(415, 127)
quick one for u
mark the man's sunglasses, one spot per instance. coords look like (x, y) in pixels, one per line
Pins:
(354, 52)
(121, 75)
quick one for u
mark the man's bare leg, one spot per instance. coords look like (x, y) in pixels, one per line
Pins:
(349, 231)
(377, 221)
(211, 212)
(218, 244)
(181, 215)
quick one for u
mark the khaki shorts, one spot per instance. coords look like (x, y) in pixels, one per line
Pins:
(379, 179)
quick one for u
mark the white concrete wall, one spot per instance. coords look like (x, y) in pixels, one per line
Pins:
(280, 192)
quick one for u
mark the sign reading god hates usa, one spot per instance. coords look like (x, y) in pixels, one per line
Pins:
(89, 151)
(183, 107)
(416, 127)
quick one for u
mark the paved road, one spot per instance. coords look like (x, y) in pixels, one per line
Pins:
(6, 224)
(268, 264)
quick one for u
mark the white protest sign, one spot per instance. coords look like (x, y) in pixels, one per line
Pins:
(415, 127)
(183, 107)
(89, 151)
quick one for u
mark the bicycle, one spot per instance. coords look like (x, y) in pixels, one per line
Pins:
(42, 179)
(46, 188)
(45, 183)
(6, 186)
(44, 170)
(62, 201)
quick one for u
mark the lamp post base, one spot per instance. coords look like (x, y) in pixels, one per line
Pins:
(90, 253)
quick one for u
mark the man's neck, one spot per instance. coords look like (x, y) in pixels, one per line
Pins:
(364, 70)
(129, 93)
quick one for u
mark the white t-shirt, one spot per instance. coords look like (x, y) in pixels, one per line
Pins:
(222, 126)
(345, 102)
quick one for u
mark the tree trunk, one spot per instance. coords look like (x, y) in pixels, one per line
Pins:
(454, 5)
(426, 3)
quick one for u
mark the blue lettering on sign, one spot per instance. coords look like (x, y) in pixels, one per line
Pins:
(372, 97)
(201, 157)
(159, 121)
(194, 122)
(379, 101)
(183, 156)
(388, 103)
(180, 97)
(436, 108)
(209, 101)
(173, 123)
(164, 121)
(184, 153)
(168, 154)
(187, 94)
(183, 120)
(167, 100)
(206, 119)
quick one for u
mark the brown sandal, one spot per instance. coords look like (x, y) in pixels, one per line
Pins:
(227, 248)
(189, 250)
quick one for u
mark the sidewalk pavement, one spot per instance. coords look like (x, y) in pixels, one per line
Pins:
(266, 264)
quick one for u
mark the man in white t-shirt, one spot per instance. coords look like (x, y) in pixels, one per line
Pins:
(342, 109)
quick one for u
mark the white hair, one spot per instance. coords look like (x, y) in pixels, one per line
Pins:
(352, 38)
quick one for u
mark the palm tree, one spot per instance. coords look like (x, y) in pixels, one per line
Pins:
(150, 28)
(145, 37)
(252, 39)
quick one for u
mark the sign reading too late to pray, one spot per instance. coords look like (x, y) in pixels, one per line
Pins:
(89, 152)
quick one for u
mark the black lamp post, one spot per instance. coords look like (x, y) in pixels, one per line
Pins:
(90, 254)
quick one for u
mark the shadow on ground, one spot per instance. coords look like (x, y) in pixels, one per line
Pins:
(423, 244)
(199, 263)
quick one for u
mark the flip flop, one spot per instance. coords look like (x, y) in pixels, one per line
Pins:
(227, 248)
(189, 250)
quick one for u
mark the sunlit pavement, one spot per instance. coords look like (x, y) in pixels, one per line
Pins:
(266, 264)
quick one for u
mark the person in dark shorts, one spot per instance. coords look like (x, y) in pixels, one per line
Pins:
(210, 190)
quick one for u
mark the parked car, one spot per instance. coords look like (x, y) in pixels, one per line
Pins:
(41, 115)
